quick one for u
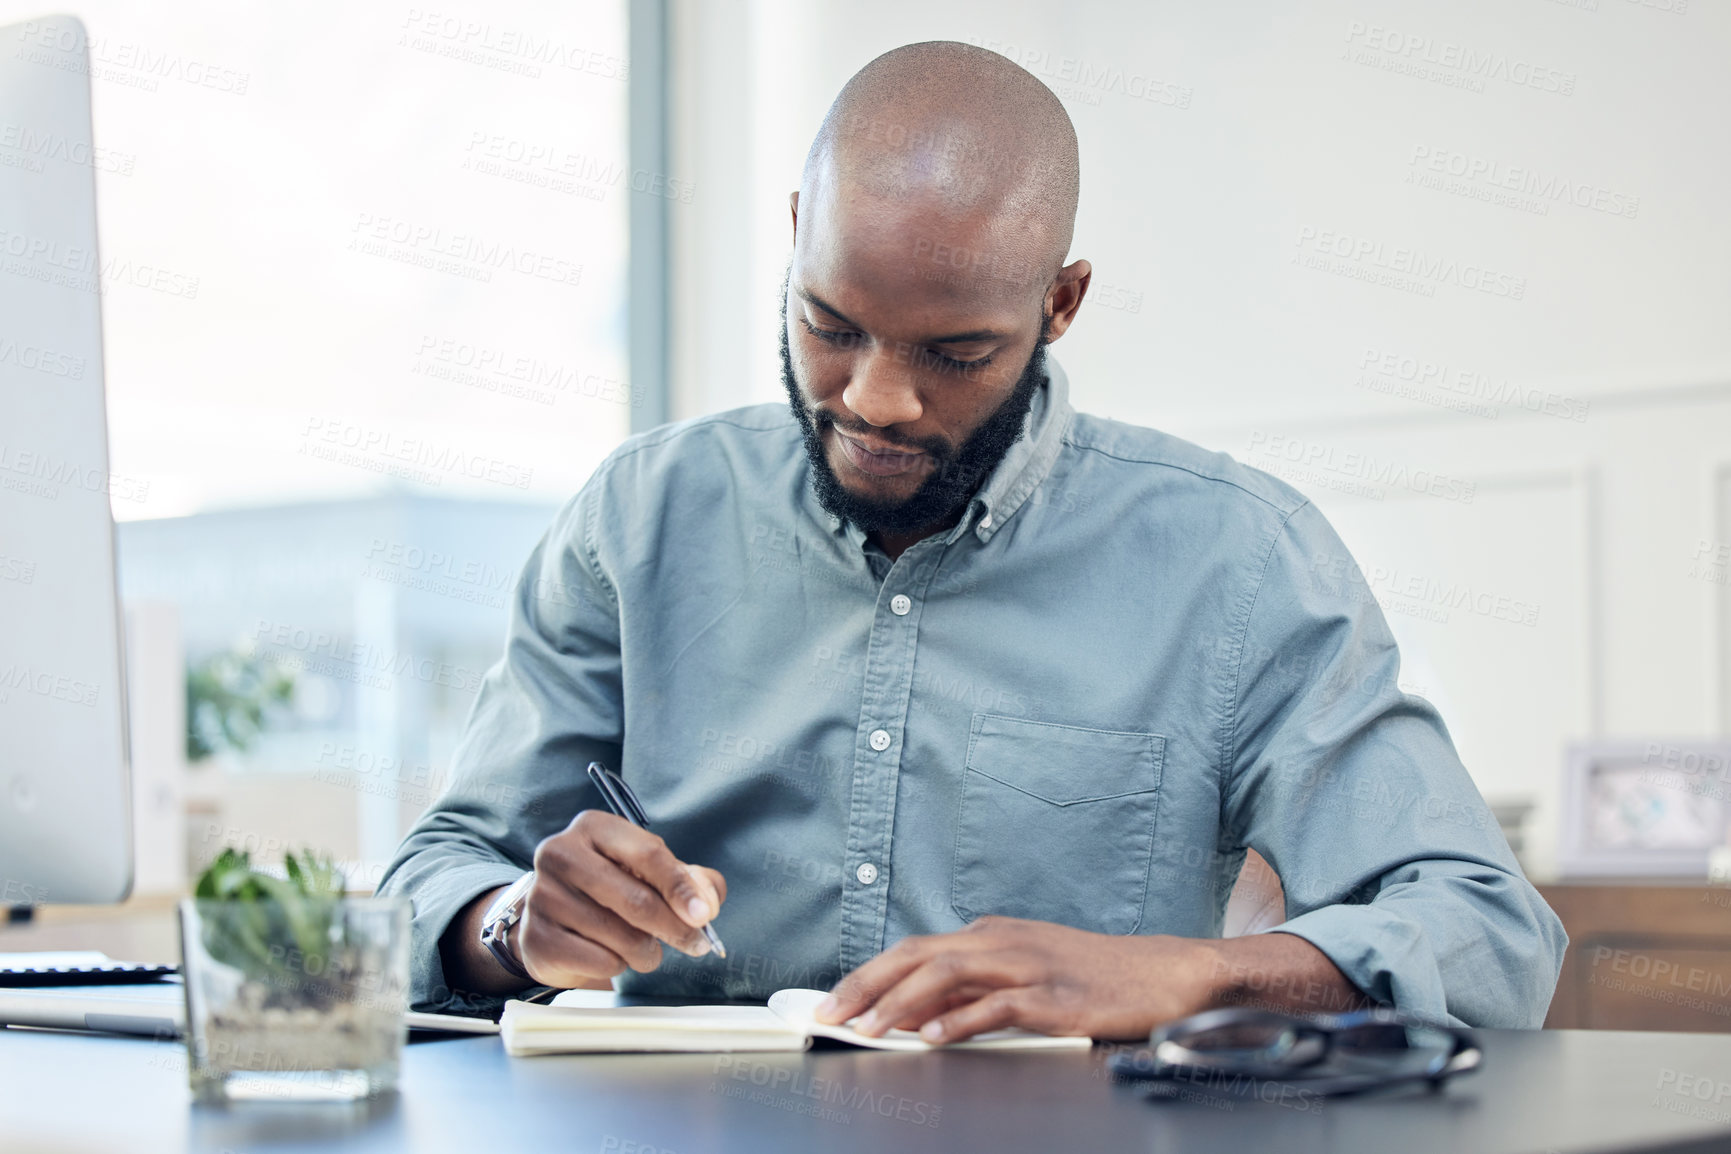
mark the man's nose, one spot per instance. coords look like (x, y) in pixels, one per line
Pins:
(881, 390)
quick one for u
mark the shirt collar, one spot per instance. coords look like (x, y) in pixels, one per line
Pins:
(1020, 472)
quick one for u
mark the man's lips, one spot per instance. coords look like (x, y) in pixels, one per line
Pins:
(887, 463)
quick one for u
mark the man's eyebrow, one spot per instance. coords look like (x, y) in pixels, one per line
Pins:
(973, 336)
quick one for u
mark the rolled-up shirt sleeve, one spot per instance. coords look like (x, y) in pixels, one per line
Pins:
(1392, 863)
(550, 706)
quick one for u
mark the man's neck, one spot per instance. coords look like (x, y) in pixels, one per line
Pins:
(895, 544)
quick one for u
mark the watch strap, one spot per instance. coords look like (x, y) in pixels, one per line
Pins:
(496, 925)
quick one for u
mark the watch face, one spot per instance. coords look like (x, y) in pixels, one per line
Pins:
(498, 909)
(1630, 806)
(506, 899)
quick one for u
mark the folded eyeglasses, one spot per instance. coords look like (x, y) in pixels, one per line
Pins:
(1324, 1055)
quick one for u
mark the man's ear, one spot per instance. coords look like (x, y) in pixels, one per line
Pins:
(793, 207)
(1064, 298)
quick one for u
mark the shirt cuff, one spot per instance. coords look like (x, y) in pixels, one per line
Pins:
(435, 906)
(1382, 953)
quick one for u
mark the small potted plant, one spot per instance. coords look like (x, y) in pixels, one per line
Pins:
(292, 988)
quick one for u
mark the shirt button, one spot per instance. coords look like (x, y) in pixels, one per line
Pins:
(880, 740)
(986, 521)
(867, 873)
(899, 605)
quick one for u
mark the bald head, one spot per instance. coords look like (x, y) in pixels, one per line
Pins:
(930, 231)
(950, 134)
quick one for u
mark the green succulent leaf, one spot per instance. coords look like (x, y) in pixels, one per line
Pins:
(279, 930)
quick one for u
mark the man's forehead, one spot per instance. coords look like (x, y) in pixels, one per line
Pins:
(879, 254)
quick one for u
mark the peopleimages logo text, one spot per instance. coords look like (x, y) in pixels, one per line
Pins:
(332, 438)
(1410, 262)
(1528, 181)
(41, 360)
(1475, 63)
(372, 231)
(1312, 455)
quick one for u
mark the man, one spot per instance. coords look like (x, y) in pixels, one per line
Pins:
(968, 705)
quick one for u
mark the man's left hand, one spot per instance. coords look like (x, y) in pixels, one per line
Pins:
(1001, 972)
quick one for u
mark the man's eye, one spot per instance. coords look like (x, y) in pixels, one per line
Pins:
(932, 359)
(831, 335)
(927, 358)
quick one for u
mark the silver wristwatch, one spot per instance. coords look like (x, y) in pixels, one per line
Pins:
(505, 912)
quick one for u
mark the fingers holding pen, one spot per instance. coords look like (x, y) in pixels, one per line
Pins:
(577, 913)
(693, 896)
(632, 875)
(687, 891)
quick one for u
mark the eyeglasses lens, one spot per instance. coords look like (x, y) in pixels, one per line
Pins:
(1393, 1049)
(1238, 1043)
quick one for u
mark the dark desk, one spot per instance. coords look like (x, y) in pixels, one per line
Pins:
(1560, 1090)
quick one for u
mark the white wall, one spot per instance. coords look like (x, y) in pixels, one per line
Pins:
(1249, 170)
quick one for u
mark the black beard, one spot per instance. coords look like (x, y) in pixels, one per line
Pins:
(956, 473)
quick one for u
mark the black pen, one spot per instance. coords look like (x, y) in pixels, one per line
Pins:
(623, 802)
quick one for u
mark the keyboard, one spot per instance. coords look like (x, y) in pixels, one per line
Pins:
(19, 971)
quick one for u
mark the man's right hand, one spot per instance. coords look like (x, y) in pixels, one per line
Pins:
(606, 895)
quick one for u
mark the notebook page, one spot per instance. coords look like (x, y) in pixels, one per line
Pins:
(799, 1007)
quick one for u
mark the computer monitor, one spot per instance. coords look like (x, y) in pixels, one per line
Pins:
(65, 824)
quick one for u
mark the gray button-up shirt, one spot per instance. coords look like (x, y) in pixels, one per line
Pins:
(1129, 660)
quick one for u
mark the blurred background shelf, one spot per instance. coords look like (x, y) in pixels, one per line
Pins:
(1652, 955)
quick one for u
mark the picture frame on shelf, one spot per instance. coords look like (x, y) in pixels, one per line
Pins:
(1656, 807)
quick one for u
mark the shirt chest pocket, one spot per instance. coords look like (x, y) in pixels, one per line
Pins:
(1056, 823)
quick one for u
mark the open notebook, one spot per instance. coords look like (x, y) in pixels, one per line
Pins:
(570, 1026)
